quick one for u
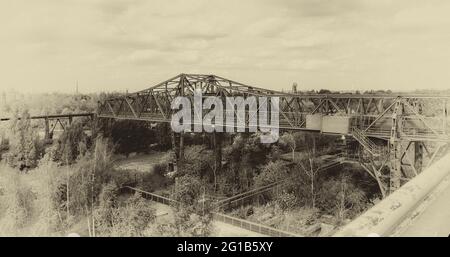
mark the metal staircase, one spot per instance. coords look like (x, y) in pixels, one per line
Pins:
(368, 144)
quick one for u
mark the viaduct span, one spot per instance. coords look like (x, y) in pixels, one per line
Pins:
(393, 136)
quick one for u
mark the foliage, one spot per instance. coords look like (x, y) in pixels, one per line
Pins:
(271, 172)
(132, 218)
(153, 180)
(341, 197)
(132, 136)
(293, 141)
(25, 148)
(187, 190)
(198, 161)
(72, 144)
(286, 201)
(243, 157)
(16, 201)
(193, 212)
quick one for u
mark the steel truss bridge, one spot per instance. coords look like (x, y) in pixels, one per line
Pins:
(52, 121)
(398, 135)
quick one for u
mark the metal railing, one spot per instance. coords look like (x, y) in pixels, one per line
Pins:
(368, 144)
(153, 197)
(252, 226)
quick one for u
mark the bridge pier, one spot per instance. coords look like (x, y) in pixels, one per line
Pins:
(217, 145)
(395, 166)
(395, 148)
(178, 148)
(418, 156)
(47, 135)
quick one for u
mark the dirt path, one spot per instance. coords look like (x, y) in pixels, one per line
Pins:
(141, 163)
(164, 213)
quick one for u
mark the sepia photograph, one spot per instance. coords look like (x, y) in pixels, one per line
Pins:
(245, 122)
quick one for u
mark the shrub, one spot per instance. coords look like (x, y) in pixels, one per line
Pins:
(133, 218)
(270, 173)
(286, 201)
(25, 148)
(17, 201)
(342, 197)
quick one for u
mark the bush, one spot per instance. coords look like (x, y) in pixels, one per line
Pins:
(342, 198)
(45, 183)
(132, 136)
(17, 202)
(72, 144)
(286, 201)
(133, 218)
(25, 148)
(270, 173)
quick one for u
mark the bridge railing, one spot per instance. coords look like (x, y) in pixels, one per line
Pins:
(383, 218)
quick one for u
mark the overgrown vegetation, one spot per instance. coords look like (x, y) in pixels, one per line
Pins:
(57, 197)
(74, 186)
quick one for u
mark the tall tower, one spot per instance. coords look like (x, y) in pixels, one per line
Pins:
(294, 87)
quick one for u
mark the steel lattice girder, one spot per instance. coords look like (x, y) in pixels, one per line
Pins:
(424, 117)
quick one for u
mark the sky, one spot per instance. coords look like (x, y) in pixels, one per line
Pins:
(118, 45)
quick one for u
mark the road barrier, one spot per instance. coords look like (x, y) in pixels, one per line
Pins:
(383, 218)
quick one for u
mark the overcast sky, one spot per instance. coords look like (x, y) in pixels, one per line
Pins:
(112, 45)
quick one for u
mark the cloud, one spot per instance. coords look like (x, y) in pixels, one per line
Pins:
(364, 42)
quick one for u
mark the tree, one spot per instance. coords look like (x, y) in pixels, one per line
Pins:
(342, 197)
(72, 144)
(270, 173)
(242, 157)
(24, 145)
(288, 139)
(132, 136)
(193, 211)
(132, 218)
(310, 166)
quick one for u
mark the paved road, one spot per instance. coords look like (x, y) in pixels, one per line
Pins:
(434, 220)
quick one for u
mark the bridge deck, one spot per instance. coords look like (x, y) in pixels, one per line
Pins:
(55, 116)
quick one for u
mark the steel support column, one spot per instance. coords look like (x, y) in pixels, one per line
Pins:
(395, 148)
(47, 129)
(418, 156)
